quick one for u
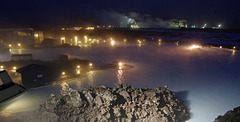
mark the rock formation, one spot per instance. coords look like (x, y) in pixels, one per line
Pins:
(230, 116)
(123, 103)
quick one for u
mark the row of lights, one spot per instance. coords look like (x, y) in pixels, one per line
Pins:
(2, 67)
(13, 68)
(78, 69)
(19, 45)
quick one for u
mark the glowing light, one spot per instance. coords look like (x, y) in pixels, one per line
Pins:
(194, 47)
(1, 67)
(63, 40)
(112, 42)
(63, 73)
(76, 40)
(120, 64)
(205, 25)
(120, 67)
(14, 68)
(36, 35)
(78, 72)
(160, 40)
(220, 47)
(78, 66)
(10, 45)
(90, 64)
(19, 44)
(90, 28)
(233, 52)
(234, 47)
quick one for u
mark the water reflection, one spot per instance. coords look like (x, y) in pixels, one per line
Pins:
(120, 76)
(91, 75)
(233, 52)
(65, 88)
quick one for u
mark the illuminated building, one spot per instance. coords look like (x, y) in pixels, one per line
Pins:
(13, 36)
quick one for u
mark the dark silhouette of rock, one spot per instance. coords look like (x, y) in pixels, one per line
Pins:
(230, 116)
(122, 103)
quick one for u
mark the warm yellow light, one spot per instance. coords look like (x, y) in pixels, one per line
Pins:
(90, 64)
(120, 67)
(14, 68)
(1, 67)
(234, 47)
(120, 64)
(63, 38)
(19, 44)
(159, 40)
(78, 72)
(10, 45)
(112, 42)
(36, 35)
(76, 40)
(220, 47)
(194, 47)
(63, 73)
(78, 66)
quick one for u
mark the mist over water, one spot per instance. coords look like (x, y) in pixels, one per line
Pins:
(210, 76)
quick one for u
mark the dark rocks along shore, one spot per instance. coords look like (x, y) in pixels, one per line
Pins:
(123, 103)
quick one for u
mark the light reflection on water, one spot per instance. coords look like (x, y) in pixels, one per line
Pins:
(91, 75)
(120, 76)
(65, 88)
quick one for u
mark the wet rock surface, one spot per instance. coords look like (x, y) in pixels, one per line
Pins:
(123, 103)
(230, 116)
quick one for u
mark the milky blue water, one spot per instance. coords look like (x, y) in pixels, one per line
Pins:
(210, 75)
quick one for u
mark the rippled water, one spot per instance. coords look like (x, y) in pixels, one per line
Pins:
(209, 75)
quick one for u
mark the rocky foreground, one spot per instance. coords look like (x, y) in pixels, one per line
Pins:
(122, 103)
(230, 116)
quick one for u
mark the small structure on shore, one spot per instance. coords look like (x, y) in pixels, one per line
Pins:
(8, 89)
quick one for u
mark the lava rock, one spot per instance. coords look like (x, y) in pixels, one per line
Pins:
(121, 103)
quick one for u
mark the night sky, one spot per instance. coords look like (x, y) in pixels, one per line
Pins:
(34, 13)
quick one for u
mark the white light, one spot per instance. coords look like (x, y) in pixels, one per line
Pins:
(1, 67)
(112, 42)
(194, 47)
(10, 45)
(14, 68)
(90, 64)
(78, 66)
(220, 47)
(19, 44)
(120, 64)
(63, 73)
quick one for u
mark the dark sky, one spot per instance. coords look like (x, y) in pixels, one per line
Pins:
(14, 13)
